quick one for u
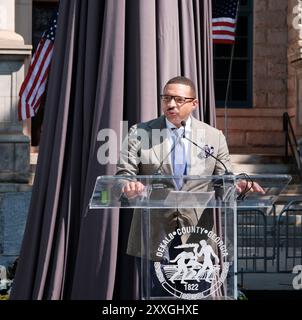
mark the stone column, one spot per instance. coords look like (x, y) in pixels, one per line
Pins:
(14, 145)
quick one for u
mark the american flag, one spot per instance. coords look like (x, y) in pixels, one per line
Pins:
(34, 85)
(224, 20)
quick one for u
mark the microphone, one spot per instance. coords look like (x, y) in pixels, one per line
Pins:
(183, 123)
(218, 183)
(226, 171)
(219, 191)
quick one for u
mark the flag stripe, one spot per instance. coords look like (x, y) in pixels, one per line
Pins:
(42, 58)
(223, 33)
(31, 84)
(34, 85)
(222, 36)
(223, 41)
(32, 66)
(215, 29)
(36, 102)
(224, 21)
(45, 63)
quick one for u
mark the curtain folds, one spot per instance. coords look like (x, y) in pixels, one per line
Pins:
(110, 62)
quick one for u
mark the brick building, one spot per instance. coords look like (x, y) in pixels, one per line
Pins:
(275, 81)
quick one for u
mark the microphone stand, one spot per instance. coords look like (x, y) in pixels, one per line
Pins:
(218, 183)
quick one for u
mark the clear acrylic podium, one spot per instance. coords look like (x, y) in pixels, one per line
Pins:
(186, 240)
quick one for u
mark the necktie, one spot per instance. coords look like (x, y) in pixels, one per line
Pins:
(178, 157)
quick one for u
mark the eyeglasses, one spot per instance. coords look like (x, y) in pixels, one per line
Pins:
(178, 100)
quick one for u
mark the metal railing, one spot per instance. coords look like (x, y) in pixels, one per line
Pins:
(291, 143)
(256, 240)
(289, 237)
(274, 247)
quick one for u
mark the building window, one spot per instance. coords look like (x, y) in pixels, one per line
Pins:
(240, 87)
(42, 14)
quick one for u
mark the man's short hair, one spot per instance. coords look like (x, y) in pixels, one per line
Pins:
(183, 80)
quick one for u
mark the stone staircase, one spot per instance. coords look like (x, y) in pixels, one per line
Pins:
(260, 163)
(270, 164)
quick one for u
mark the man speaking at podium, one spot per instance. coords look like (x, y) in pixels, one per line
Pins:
(178, 154)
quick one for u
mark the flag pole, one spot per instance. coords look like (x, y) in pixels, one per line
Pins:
(229, 78)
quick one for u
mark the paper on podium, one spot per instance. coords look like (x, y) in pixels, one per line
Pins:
(189, 199)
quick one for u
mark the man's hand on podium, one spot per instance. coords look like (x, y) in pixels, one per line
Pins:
(248, 186)
(133, 189)
(243, 186)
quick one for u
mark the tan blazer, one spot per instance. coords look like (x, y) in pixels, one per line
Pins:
(144, 158)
